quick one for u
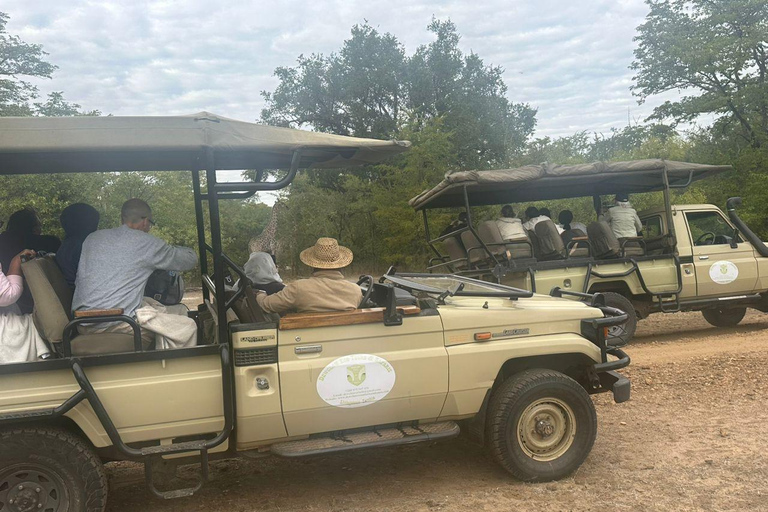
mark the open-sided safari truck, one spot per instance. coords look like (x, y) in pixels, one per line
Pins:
(421, 353)
(690, 257)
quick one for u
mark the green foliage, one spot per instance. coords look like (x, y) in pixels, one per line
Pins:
(715, 50)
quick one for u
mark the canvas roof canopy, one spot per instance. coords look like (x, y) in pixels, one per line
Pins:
(112, 143)
(550, 181)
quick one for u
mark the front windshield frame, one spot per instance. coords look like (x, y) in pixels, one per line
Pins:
(411, 282)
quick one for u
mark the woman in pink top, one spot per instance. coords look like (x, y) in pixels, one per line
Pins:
(19, 339)
(11, 284)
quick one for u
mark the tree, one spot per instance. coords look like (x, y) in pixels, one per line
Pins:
(715, 51)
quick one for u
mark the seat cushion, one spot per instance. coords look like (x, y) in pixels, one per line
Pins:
(104, 343)
(604, 242)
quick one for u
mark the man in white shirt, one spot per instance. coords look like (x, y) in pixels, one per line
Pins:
(532, 217)
(510, 227)
(623, 218)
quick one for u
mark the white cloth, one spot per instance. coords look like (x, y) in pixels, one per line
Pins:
(623, 220)
(574, 225)
(19, 340)
(531, 223)
(260, 269)
(172, 328)
(511, 228)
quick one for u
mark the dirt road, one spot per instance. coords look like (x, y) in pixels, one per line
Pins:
(693, 437)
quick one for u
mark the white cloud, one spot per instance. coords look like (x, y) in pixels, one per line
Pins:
(568, 59)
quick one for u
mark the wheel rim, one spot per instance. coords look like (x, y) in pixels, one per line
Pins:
(30, 487)
(546, 429)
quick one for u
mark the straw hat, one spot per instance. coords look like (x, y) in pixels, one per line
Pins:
(326, 254)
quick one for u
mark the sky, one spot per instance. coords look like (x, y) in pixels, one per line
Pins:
(568, 59)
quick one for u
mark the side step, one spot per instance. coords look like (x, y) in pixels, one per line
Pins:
(343, 441)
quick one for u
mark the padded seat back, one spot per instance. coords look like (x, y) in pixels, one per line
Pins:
(455, 251)
(550, 244)
(52, 295)
(489, 233)
(604, 242)
(470, 242)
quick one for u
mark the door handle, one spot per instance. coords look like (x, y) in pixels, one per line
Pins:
(703, 257)
(308, 349)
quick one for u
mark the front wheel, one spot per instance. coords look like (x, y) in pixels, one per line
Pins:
(49, 470)
(724, 317)
(621, 334)
(541, 425)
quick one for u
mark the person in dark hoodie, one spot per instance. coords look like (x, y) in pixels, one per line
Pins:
(78, 220)
(24, 232)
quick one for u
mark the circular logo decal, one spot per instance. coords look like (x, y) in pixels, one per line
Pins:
(723, 272)
(356, 380)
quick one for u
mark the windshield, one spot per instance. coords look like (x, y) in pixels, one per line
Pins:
(450, 284)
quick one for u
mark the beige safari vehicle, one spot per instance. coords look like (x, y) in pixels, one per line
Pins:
(689, 258)
(423, 356)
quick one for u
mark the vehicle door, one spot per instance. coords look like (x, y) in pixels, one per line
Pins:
(347, 376)
(721, 268)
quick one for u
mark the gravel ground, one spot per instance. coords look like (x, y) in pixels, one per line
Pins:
(693, 437)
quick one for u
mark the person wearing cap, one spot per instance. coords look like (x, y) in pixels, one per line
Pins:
(115, 265)
(623, 218)
(326, 290)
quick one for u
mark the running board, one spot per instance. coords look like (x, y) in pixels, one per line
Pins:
(343, 441)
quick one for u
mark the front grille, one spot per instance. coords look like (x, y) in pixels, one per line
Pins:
(255, 356)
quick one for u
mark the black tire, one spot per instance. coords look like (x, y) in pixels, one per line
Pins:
(724, 317)
(52, 467)
(621, 334)
(526, 398)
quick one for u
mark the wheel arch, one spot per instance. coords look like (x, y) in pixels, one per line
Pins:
(572, 364)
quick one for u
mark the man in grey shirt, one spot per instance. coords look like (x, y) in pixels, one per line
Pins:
(116, 263)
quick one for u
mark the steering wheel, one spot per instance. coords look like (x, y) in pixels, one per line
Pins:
(707, 238)
(369, 290)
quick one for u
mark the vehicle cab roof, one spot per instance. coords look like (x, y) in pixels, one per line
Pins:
(552, 181)
(31, 145)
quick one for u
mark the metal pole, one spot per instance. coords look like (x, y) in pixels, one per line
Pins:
(218, 261)
(668, 207)
(200, 228)
(426, 231)
(597, 203)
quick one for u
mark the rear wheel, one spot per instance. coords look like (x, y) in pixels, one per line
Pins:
(541, 425)
(722, 317)
(49, 470)
(621, 334)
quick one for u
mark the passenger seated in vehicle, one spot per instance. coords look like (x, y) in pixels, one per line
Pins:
(326, 290)
(457, 224)
(262, 272)
(566, 222)
(531, 214)
(510, 227)
(623, 218)
(78, 220)
(115, 265)
(23, 232)
(19, 340)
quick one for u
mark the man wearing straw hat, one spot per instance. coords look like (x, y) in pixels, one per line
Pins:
(326, 290)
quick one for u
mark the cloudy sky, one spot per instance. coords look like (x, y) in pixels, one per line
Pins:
(569, 59)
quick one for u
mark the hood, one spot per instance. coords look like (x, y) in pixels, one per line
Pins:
(539, 315)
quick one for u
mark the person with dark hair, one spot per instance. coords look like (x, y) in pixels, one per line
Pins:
(545, 212)
(457, 224)
(23, 232)
(510, 227)
(78, 220)
(531, 214)
(566, 222)
(623, 218)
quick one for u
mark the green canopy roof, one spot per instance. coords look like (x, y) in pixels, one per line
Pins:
(110, 143)
(550, 181)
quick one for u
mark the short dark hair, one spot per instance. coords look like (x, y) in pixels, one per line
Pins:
(507, 211)
(463, 216)
(531, 212)
(23, 222)
(622, 197)
(545, 211)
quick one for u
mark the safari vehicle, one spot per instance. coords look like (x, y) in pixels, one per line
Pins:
(422, 354)
(690, 257)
